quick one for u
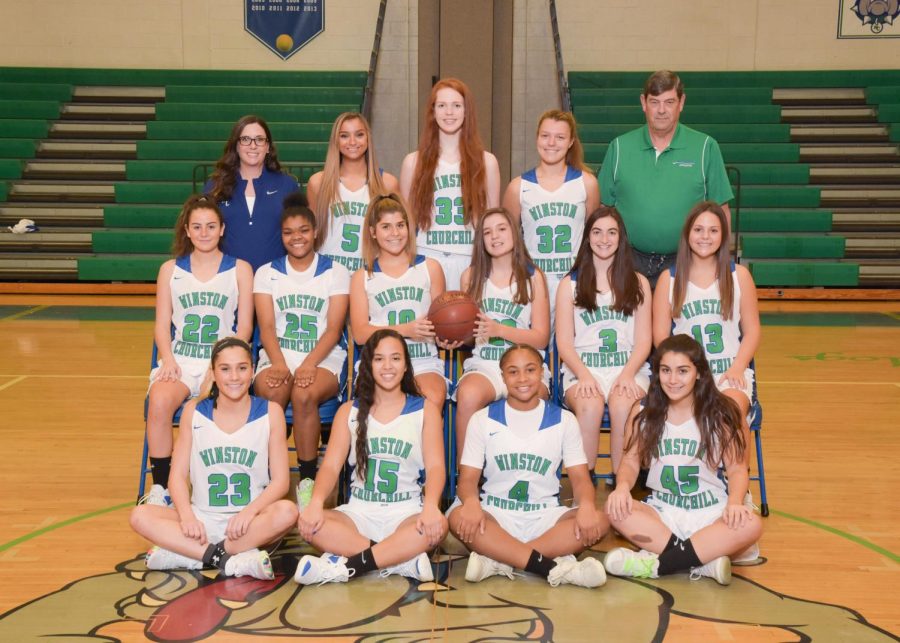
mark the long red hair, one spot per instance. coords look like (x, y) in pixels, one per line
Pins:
(471, 151)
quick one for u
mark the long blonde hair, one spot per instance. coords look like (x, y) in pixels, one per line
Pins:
(378, 207)
(329, 191)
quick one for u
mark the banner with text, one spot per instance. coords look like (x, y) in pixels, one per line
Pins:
(284, 26)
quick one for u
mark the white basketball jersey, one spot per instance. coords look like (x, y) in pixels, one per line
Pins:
(395, 471)
(522, 474)
(701, 318)
(498, 304)
(401, 300)
(202, 312)
(680, 476)
(343, 239)
(553, 222)
(604, 338)
(301, 300)
(229, 470)
(448, 233)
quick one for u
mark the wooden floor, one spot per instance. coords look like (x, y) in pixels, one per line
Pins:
(73, 373)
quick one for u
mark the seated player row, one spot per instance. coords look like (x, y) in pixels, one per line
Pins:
(230, 474)
(603, 317)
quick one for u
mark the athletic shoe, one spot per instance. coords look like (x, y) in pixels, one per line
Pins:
(637, 564)
(159, 558)
(304, 493)
(585, 573)
(480, 567)
(252, 562)
(418, 568)
(718, 569)
(329, 568)
(746, 557)
(158, 496)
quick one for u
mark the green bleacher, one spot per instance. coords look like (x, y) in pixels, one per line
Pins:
(189, 129)
(787, 237)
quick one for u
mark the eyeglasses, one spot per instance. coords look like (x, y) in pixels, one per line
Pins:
(246, 141)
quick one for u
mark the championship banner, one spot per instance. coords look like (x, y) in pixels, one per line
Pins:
(868, 19)
(284, 26)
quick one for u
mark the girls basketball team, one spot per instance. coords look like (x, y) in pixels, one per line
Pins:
(549, 258)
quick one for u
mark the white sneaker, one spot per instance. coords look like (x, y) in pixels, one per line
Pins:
(637, 564)
(253, 562)
(480, 567)
(718, 569)
(304, 493)
(159, 558)
(747, 557)
(328, 568)
(585, 573)
(158, 496)
(418, 568)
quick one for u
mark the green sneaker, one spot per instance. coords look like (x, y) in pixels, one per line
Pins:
(637, 564)
(304, 492)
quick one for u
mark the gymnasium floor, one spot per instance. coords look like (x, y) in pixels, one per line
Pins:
(73, 373)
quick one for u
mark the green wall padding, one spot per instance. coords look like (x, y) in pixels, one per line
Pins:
(140, 216)
(784, 220)
(804, 274)
(777, 246)
(264, 95)
(120, 267)
(140, 241)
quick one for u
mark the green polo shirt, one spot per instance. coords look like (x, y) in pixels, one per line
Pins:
(654, 195)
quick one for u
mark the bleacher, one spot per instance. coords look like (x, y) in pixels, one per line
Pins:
(101, 159)
(817, 154)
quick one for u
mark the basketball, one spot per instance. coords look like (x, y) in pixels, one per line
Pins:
(453, 315)
(284, 43)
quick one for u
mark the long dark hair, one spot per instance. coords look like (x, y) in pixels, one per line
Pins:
(218, 347)
(627, 294)
(181, 242)
(684, 257)
(522, 265)
(224, 177)
(717, 415)
(364, 391)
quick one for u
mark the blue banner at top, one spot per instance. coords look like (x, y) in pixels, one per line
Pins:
(284, 26)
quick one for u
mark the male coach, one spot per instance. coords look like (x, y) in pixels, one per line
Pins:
(655, 174)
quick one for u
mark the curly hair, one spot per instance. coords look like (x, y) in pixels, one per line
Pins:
(224, 177)
(718, 417)
(364, 391)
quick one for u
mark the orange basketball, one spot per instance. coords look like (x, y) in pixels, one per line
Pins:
(453, 315)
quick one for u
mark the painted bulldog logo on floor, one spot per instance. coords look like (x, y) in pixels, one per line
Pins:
(192, 606)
